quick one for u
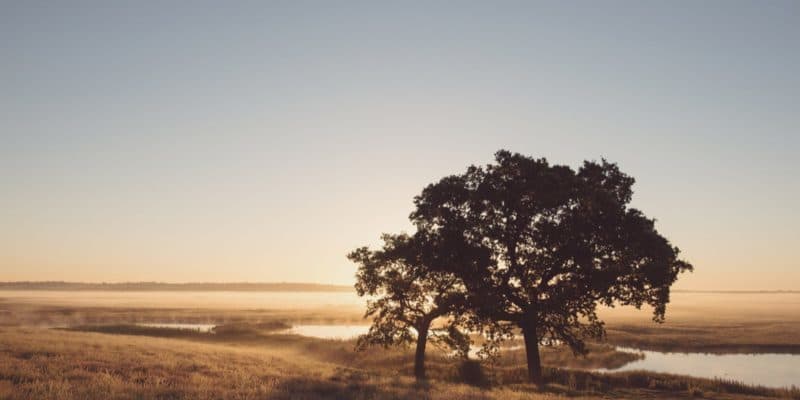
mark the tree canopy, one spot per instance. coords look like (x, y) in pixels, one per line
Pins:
(560, 242)
(407, 296)
(517, 243)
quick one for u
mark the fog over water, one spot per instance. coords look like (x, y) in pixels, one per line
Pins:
(683, 305)
(341, 332)
(185, 299)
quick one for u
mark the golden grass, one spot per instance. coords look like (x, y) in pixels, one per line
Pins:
(711, 337)
(247, 359)
(712, 322)
(13, 313)
(47, 364)
(51, 364)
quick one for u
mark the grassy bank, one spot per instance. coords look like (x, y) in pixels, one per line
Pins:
(99, 352)
(342, 351)
(58, 364)
(712, 337)
(48, 364)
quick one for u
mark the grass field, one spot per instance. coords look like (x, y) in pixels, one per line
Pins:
(714, 323)
(104, 356)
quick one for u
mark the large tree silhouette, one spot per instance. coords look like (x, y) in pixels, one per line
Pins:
(562, 242)
(407, 296)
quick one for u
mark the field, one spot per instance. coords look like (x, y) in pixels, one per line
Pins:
(65, 347)
(715, 323)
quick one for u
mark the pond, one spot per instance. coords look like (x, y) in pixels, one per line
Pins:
(775, 370)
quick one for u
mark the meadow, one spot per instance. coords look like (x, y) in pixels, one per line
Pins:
(62, 347)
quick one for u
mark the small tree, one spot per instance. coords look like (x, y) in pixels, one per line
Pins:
(561, 242)
(407, 297)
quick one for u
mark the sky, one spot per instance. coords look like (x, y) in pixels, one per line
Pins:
(261, 141)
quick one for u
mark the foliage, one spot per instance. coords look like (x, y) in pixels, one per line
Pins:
(559, 242)
(406, 296)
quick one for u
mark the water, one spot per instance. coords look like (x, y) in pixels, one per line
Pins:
(775, 370)
(339, 332)
(204, 328)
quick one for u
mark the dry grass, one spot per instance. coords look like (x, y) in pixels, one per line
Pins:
(48, 315)
(268, 334)
(40, 363)
(713, 323)
(47, 364)
(247, 359)
(599, 356)
(712, 337)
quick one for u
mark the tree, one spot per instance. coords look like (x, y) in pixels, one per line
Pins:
(408, 296)
(562, 242)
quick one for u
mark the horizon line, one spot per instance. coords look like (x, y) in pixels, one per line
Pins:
(166, 286)
(76, 285)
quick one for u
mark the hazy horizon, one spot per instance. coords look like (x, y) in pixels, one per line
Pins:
(261, 142)
(325, 284)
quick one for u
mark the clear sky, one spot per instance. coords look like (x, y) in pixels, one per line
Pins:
(261, 141)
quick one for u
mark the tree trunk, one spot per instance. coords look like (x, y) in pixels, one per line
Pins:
(532, 353)
(419, 357)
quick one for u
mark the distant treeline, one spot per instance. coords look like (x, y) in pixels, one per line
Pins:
(160, 286)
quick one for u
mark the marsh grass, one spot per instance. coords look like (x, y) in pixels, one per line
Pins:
(604, 382)
(351, 368)
(234, 330)
(342, 351)
(719, 338)
(47, 364)
(104, 354)
(600, 355)
(46, 315)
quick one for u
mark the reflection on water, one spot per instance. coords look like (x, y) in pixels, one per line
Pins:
(776, 370)
(205, 328)
(340, 332)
